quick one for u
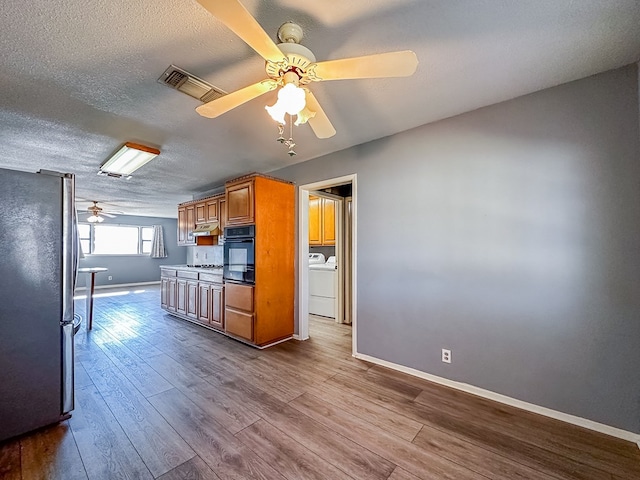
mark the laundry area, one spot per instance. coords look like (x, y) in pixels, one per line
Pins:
(323, 285)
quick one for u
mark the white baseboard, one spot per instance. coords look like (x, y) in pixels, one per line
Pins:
(547, 412)
(120, 285)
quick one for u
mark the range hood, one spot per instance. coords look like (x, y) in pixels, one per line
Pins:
(206, 229)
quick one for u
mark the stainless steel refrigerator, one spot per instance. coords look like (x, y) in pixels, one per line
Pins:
(38, 264)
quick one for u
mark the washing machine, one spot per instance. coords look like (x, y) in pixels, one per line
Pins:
(323, 282)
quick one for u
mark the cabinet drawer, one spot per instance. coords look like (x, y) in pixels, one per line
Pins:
(188, 274)
(211, 277)
(166, 272)
(239, 324)
(239, 297)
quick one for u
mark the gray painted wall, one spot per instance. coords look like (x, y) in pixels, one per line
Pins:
(137, 269)
(511, 237)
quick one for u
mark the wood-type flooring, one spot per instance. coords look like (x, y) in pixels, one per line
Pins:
(161, 398)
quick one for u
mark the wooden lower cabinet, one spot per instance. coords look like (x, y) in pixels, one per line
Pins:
(239, 324)
(216, 294)
(168, 293)
(204, 302)
(239, 311)
(192, 299)
(171, 295)
(193, 295)
(181, 296)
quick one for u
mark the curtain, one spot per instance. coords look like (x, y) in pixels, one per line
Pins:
(157, 243)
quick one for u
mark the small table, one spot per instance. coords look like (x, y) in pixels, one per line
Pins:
(90, 284)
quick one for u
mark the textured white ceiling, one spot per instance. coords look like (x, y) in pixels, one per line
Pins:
(79, 79)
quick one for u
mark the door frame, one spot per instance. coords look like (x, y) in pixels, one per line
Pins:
(303, 253)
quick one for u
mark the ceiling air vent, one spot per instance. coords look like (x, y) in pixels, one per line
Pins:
(193, 86)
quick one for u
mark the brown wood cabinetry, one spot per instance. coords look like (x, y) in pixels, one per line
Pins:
(186, 224)
(240, 202)
(222, 220)
(211, 209)
(193, 295)
(181, 296)
(201, 213)
(194, 213)
(216, 294)
(239, 311)
(263, 314)
(204, 302)
(192, 299)
(322, 221)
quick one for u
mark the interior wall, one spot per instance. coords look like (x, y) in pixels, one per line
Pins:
(510, 236)
(133, 268)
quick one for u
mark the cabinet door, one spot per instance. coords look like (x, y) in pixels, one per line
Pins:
(240, 203)
(201, 212)
(328, 221)
(164, 292)
(315, 220)
(182, 226)
(204, 302)
(181, 296)
(212, 210)
(222, 215)
(217, 306)
(239, 324)
(192, 299)
(190, 215)
(171, 294)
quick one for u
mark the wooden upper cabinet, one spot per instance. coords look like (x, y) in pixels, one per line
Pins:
(222, 215)
(201, 213)
(322, 221)
(240, 203)
(315, 220)
(182, 225)
(328, 221)
(190, 214)
(186, 224)
(211, 209)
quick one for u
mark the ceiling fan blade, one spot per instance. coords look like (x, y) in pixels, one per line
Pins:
(392, 64)
(223, 104)
(105, 214)
(319, 123)
(238, 19)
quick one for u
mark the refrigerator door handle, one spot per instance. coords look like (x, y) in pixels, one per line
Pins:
(69, 247)
(69, 272)
(67, 367)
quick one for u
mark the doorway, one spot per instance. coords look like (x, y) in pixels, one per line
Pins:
(345, 251)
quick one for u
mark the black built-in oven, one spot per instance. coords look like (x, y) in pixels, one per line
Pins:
(239, 254)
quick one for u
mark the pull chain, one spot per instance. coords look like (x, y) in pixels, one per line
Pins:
(287, 143)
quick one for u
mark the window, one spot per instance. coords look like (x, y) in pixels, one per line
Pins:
(84, 232)
(115, 239)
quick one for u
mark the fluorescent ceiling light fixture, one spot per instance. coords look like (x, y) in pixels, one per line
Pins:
(128, 159)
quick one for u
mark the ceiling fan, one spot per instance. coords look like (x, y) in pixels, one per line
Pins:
(98, 214)
(292, 67)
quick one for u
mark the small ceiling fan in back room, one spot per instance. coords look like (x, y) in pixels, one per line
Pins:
(291, 67)
(97, 214)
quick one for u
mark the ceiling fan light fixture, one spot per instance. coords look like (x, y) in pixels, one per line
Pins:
(291, 100)
(128, 159)
(95, 219)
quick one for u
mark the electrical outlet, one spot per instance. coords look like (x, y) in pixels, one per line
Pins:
(110, 277)
(446, 355)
